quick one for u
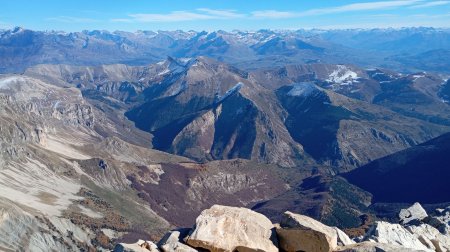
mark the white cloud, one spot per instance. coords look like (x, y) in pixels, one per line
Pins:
(429, 4)
(213, 14)
(272, 14)
(368, 6)
(171, 17)
(394, 21)
(178, 16)
(365, 6)
(67, 19)
(222, 13)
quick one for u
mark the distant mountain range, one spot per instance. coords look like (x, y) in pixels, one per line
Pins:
(408, 49)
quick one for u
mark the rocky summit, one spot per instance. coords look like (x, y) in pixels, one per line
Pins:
(224, 228)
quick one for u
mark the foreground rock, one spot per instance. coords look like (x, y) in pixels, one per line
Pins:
(441, 220)
(430, 237)
(302, 233)
(173, 242)
(384, 232)
(342, 238)
(223, 228)
(230, 229)
(414, 212)
(140, 246)
(376, 247)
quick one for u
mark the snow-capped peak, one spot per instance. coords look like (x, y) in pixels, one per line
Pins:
(342, 75)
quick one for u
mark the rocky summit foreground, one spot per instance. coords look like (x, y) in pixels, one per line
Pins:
(224, 228)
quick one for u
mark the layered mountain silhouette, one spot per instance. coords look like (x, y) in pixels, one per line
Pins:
(207, 110)
(410, 49)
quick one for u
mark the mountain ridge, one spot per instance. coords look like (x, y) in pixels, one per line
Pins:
(261, 48)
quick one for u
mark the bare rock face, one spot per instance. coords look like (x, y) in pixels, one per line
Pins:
(223, 228)
(441, 220)
(414, 212)
(430, 237)
(342, 238)
(376, 247)
(302, 233)
(173, 242)
(384, 232)
(140, 246)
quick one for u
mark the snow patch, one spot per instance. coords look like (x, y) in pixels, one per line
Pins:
(184, 60)
(231, 91)
(165, 71)
(418, 76)
(8, 81)
(303, 89)
(342, 75)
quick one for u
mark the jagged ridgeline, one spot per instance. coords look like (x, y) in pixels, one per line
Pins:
(107, 138)
(410, 49)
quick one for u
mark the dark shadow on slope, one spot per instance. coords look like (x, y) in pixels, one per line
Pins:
(235, 129)
(313, 121)
(166, 117)
(418, 174)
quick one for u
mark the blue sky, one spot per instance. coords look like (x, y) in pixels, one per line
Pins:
(132, 15)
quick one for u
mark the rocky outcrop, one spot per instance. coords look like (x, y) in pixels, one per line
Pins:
(384, 232)
(416, 232)
(342, 238)
(430, 237)
(441, 220)
(229, 229)
(173, 242)
(222, 228)
(376, 247)
(414, 212)
(302, 233)
(139, 246)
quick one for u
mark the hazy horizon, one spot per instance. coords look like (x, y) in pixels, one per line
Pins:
(233, 30)
(230, 15)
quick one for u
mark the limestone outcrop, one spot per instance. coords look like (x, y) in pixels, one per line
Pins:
(385, 232)
(223, 228)
(302, 233)
(414, 212)
(173, 242)
(139, 246)
(229, 229)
